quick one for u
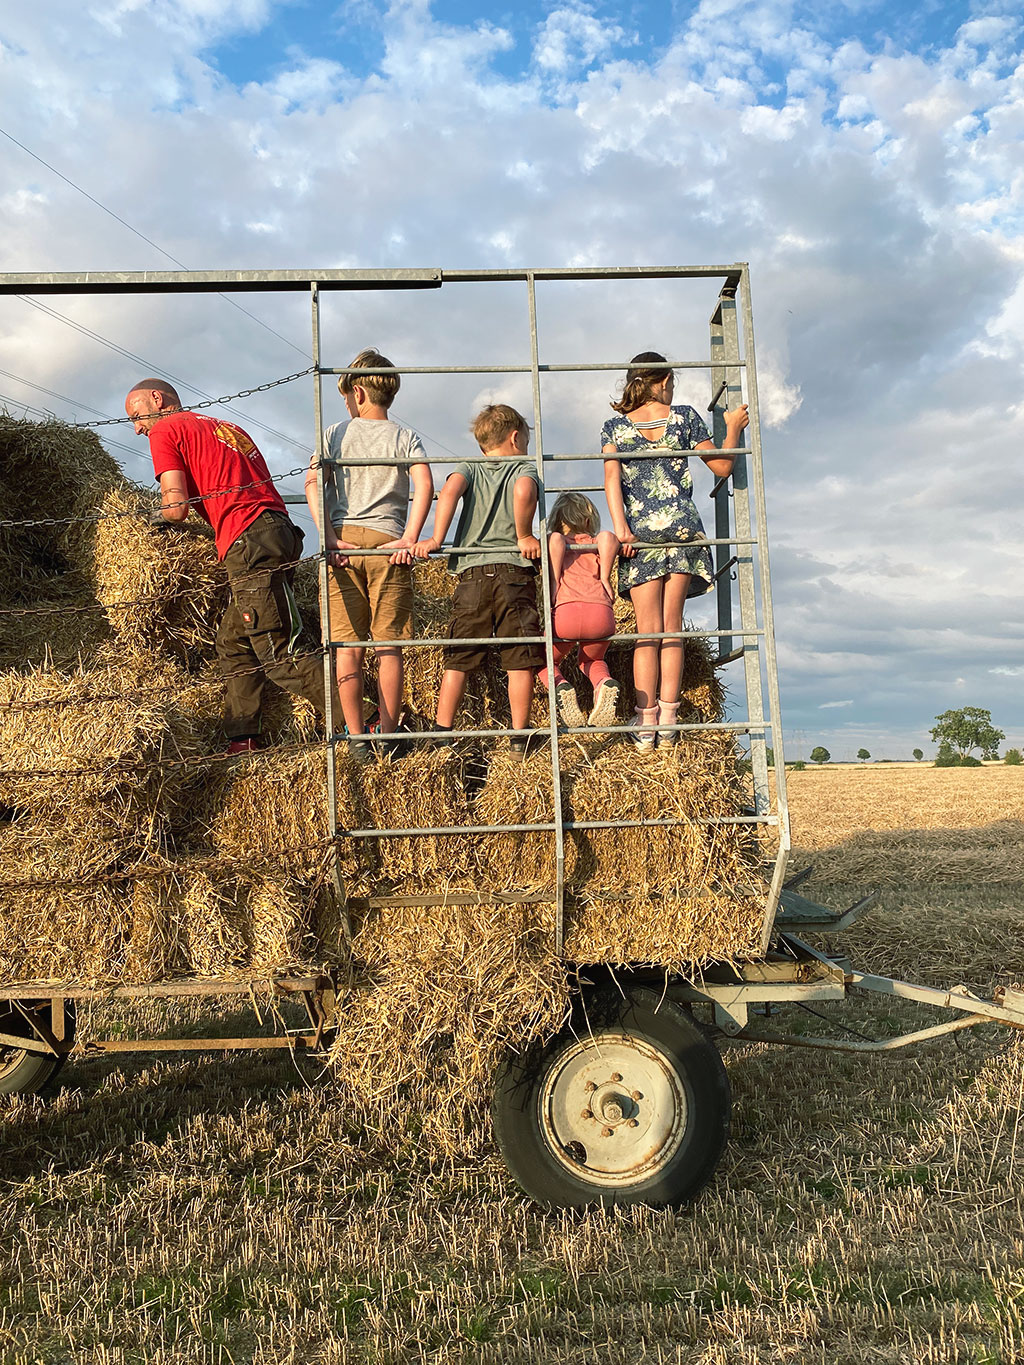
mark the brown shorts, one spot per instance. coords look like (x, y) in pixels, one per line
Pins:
(370, 599)
(498, 600)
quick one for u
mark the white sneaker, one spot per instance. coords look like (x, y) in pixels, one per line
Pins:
(606, 700)
(668, 714)
(645, 720)
(568, 707)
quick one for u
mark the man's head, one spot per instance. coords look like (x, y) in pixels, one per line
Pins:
(498, 425)
(148, 401)
(377, 389)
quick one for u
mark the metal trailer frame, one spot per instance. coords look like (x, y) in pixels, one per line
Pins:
(789, 970)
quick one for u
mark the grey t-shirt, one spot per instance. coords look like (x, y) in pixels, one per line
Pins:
(363, 495)
(488, 517)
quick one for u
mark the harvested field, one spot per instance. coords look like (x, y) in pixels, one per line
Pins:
(868, 1209)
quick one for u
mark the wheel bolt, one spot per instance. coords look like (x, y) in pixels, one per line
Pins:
(634, 1123)
(616, 1076)
(590, 1087)
(635, 1095)
(587, 1114)
(607, 1132)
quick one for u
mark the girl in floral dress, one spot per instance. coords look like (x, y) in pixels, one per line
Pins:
(651, 500)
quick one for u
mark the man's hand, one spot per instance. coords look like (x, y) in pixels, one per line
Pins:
(403, 549)
(156, 520)
(423, 548)
(529, 547)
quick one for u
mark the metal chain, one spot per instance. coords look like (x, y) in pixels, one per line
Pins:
(125, 516)
(210, 402)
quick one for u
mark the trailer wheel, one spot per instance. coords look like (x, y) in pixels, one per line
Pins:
(627, 1105)
(23, 1072)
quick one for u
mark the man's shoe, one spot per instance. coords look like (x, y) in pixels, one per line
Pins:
(606, 700)
(243, 746)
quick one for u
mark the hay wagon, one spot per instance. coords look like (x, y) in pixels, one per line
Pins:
(667, 926)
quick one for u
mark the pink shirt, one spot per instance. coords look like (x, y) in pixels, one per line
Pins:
(581, 574)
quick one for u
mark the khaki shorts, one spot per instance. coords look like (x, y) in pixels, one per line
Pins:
(370, 599)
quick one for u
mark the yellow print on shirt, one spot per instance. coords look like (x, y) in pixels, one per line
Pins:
(234, 437)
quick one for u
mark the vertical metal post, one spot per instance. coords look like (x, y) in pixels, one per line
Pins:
(556, 779)
(767, 615)
(325, 620)
(723, 579)
(745, 553)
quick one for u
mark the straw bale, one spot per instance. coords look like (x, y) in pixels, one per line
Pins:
(65, 925)
(115, 740)
(171, 578)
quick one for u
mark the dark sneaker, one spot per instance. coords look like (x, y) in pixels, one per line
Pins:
(526, 746)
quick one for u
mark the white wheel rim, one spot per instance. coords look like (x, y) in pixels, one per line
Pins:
(613, 1110)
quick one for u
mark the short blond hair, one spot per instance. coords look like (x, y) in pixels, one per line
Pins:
(381, 388)
(493, 425)
(577, 512)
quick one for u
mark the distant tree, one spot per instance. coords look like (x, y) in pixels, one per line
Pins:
(798, 766)
(863, 755)
(947, 757)
(820, 755)
(770, 755)
(1013, 757)
(919, 754)
(968, 728)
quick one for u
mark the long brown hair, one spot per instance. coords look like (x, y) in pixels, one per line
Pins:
(640, 383)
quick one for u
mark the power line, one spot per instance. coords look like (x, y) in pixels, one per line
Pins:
(148, 240)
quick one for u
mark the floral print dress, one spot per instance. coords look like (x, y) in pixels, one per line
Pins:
(657, 495)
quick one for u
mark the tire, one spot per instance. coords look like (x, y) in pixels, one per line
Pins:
(23, 1072)
(628, 1104)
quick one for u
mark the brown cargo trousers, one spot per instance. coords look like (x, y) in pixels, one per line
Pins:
(257, 633)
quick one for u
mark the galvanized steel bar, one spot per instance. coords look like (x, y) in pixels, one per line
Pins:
(722, 489)
(496, 642)
(325, 618)
(548, 827)
(574, 368)
(212, 281)
(556, 775)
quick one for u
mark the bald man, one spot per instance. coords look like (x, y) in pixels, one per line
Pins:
(215, 468)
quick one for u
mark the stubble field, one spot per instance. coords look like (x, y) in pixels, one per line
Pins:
(867, 1209)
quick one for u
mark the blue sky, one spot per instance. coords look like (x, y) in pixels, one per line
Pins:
(864, 158)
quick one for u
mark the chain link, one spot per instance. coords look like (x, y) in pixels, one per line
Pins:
(210, 402)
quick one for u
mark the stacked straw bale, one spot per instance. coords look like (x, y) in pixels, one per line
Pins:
(144, 855)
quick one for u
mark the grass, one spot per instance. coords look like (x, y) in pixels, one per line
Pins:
(167, 1210)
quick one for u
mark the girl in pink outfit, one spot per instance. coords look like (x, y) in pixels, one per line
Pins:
(582, 597)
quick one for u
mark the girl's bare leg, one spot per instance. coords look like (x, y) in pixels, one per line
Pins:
(390, 673)
(677, 585)
(647, 603)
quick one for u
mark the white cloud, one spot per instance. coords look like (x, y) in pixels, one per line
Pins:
(829, 705)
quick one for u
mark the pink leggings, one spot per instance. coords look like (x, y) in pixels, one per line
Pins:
(587, 624)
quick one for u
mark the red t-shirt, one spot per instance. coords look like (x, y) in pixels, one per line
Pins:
(214, 455)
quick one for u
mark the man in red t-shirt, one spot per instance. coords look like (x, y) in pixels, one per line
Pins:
(215, 467)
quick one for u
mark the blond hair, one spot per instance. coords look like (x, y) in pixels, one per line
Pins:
(576, 512)
(640, 384)
(381, 388)
(493, 425)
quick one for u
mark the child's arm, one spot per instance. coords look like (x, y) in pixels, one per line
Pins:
(607, 553)
(613, 496)
(524, 504)
(735, 421)
(447, 501)
(332, 544)
(422, 496)
(556, 558)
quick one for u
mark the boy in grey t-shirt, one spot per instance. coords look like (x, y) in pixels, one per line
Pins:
(370, 596)
(496, 593)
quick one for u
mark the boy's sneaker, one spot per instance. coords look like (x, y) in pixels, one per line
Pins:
(360, 750)
(567, 706)
(525, 746)
(645, 731)
(606, 701)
